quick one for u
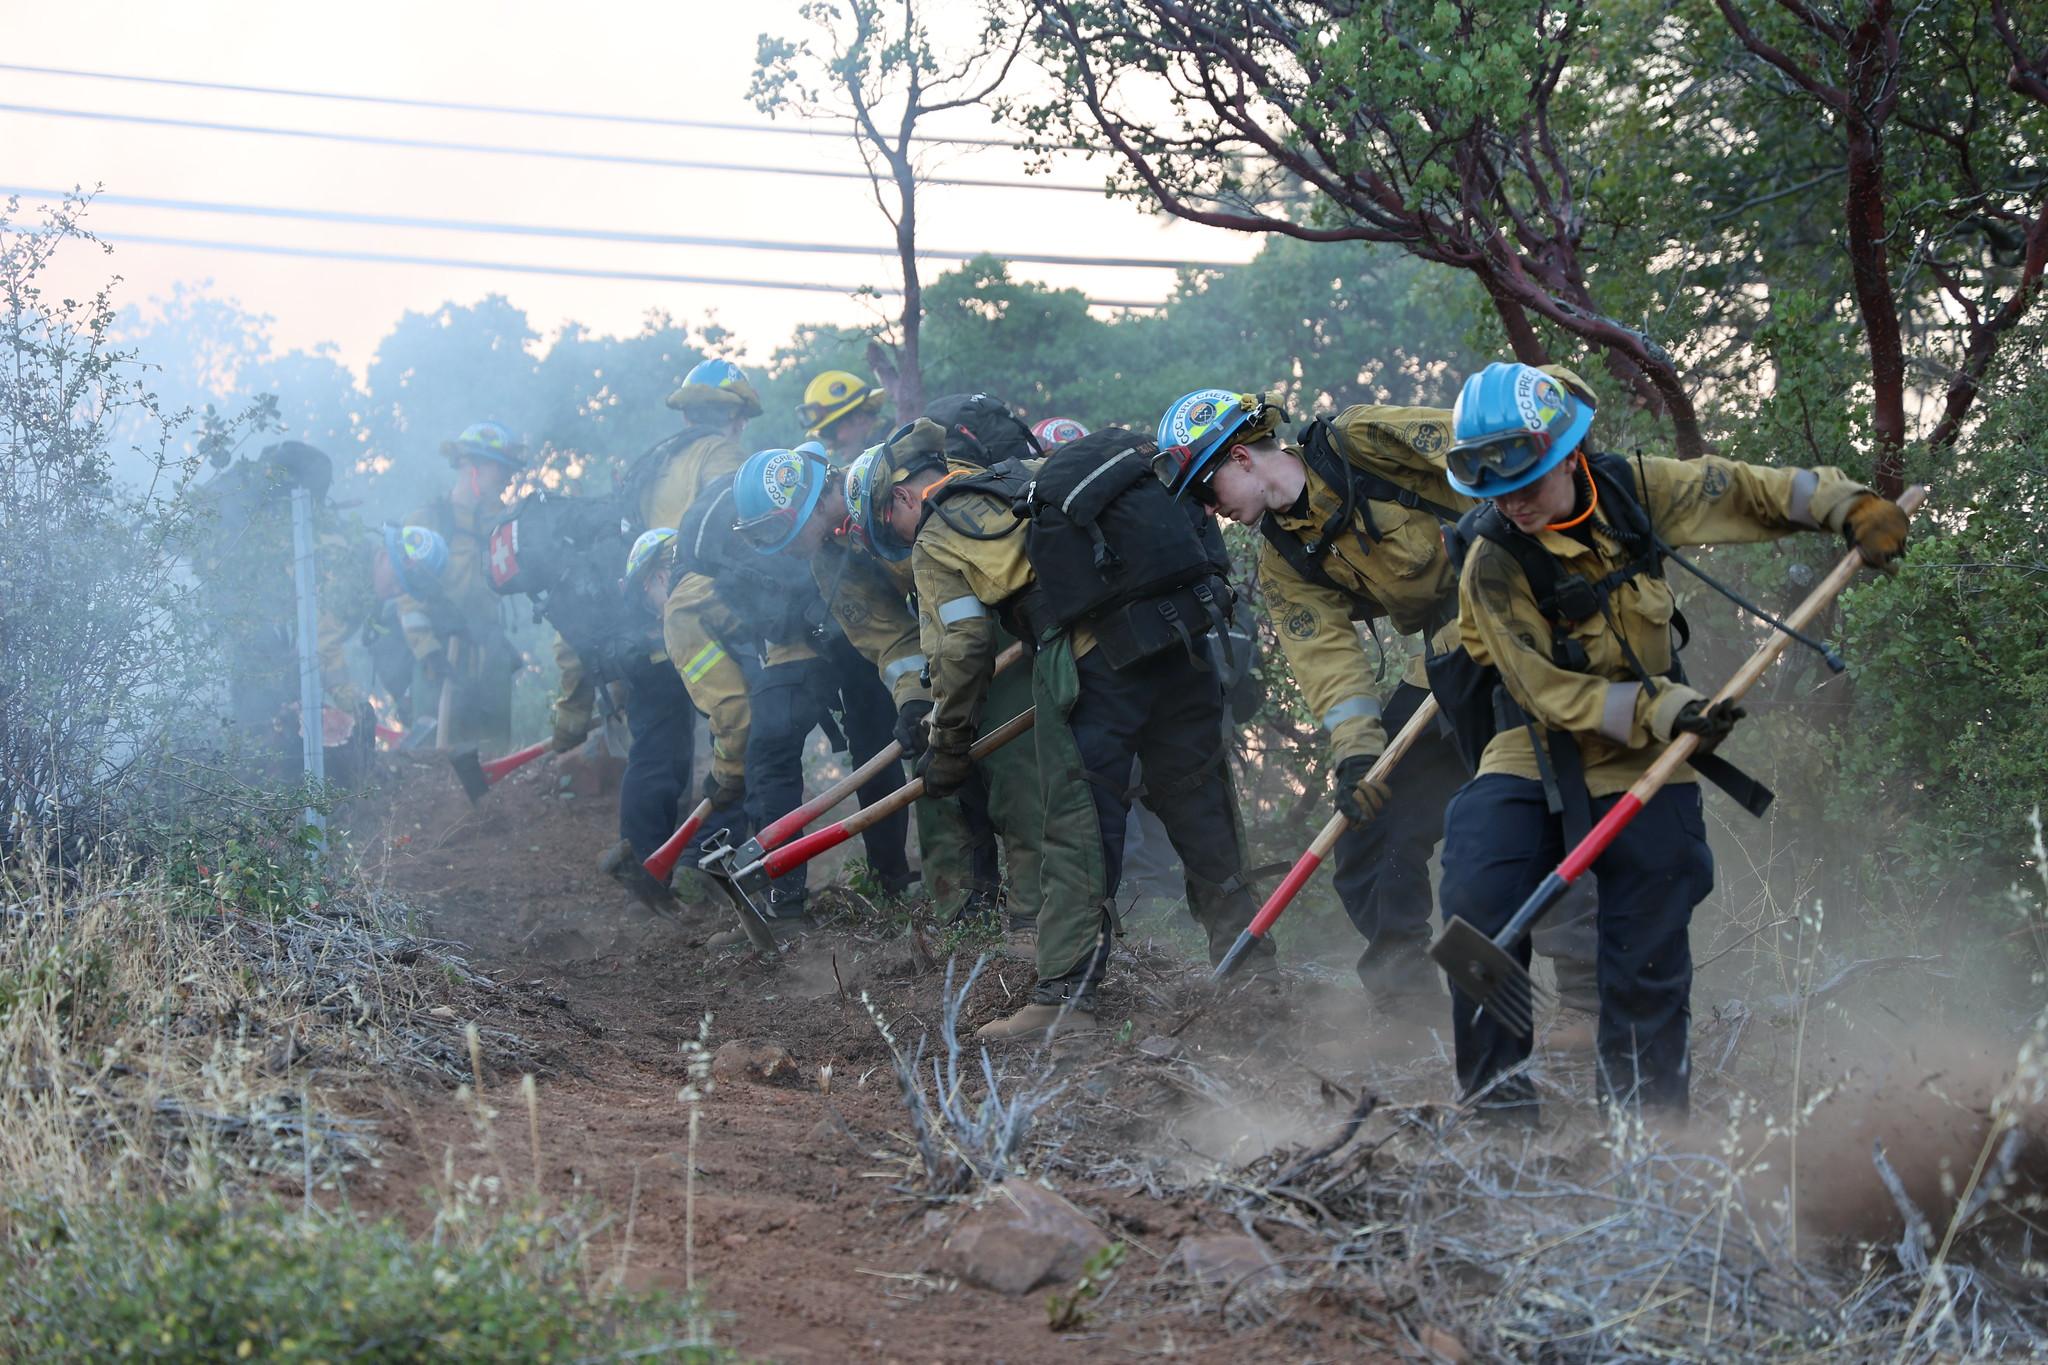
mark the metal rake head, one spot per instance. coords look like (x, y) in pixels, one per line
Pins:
(1487, 974)
(745, 886)
(623, 866)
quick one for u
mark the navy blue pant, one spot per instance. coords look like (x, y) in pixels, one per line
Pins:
(1500, 841)
(787, 702)
(655, 792)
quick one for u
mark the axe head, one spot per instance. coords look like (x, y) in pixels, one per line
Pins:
(1487, 974)
(622, 866)
(745, 884)
(470, 773)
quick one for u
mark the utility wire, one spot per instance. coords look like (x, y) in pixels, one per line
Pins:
(598, 234)
(550, 153)
(524, 268)
(463, 106)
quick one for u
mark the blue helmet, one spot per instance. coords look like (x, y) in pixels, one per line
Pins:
(775, 492)
(1512, 424)
(414, 550)
(1199, 427)
(716, 383)
(487, 441)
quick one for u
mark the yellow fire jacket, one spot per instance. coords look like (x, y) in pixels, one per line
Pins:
(1620, 726)
(866, 597)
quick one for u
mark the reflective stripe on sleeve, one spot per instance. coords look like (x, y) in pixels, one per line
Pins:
(893, 673)
(1351, 708)
(702, 662)
(960, 609)
(1618, 711)
(415, 620)
(1804, 481)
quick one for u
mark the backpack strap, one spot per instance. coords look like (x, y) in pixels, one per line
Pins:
(1006, 480)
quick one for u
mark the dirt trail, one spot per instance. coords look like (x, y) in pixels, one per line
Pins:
(805, 1247)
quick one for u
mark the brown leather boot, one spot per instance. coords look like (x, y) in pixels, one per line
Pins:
(1037, 1020)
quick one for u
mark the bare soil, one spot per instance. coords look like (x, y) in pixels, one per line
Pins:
(810, 1238)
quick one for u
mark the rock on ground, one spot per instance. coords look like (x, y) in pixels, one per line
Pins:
(1024, 1236)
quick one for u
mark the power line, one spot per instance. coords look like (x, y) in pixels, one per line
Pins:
(462, 106)
(525, 268)
(602, 234)
(550, 153)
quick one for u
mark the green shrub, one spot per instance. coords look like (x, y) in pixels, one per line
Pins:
(193, 1280)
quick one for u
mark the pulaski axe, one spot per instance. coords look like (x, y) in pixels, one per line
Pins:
(1488, 970)
(746, 884)
(1305, 866)
(479, 777)
(647, 880)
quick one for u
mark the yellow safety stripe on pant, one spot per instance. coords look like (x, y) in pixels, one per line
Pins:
(702, 662)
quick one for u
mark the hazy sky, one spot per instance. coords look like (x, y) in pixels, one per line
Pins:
(688, 59)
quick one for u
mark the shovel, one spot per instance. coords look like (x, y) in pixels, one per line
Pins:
(1305, 867)
(647, 881)
(479, 777)
(747, 886)
(1484, 968)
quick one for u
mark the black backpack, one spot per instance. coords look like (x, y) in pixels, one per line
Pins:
(981, 430)
(778, 609)
(1475, 701)
(566, 553)
(1110, 546)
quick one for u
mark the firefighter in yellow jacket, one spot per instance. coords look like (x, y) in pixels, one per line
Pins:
(866, 595)
(1351, 518)
(1563, 593)
(717, 400)
(478, 659)
(1099, 712)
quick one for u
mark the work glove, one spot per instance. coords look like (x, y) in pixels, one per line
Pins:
(911, 731)
(1359, 798)
(1875, 527)
(945, 771)
(1711, 721)
(724, 789)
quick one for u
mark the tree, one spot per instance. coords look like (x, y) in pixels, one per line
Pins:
(1469, 132)
(1938, 114)
(885, 75)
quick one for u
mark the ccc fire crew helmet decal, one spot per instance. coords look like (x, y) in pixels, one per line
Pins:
(1057, 431)
(414, 550)
(716, 383)
(859, 524)
(892, 462)
(486, 441)
(1512, 424)
(831, 396)
(641, 559)
(774, 494)
(1199, 426)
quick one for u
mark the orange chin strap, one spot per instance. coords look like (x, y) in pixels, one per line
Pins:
(1592, 498)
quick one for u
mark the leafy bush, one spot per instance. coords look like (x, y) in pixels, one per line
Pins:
(1943, 761)
(193, 1280)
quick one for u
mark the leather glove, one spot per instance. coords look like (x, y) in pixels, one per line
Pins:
(721, 789)
(1357, 798)
(945, 771)
(911, 731)
(1875, 527)
(1711, 722)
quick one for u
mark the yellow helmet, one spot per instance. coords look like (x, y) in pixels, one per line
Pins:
(831, 396)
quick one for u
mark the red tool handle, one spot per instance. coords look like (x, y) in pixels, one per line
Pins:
(833, 835)
(1306, 866)
(498, 768)
(662, 862)
(779, 832)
